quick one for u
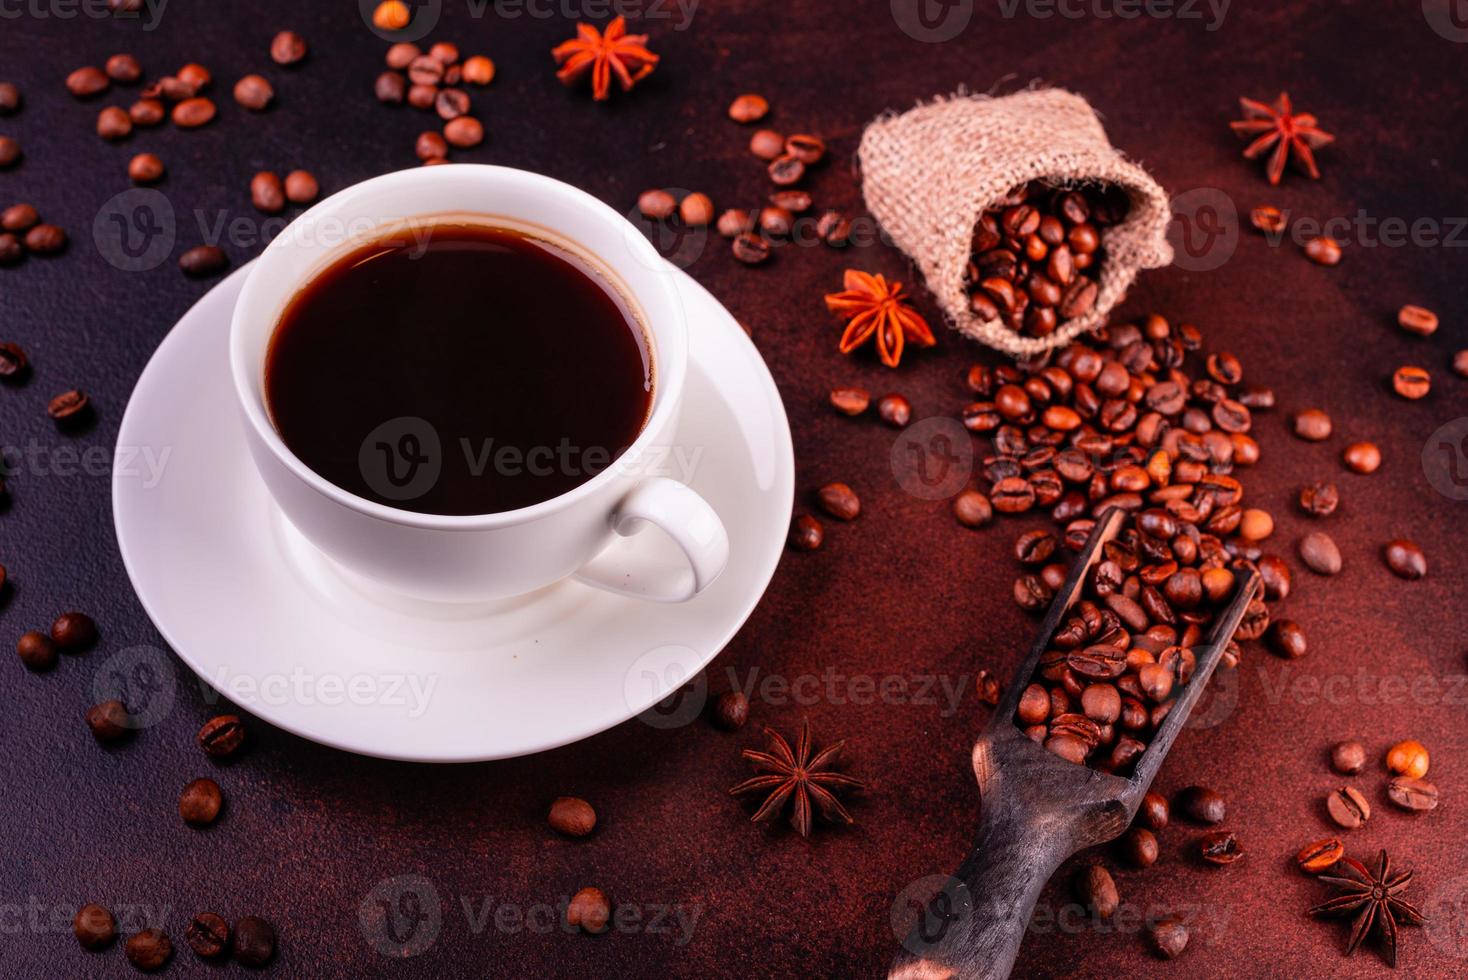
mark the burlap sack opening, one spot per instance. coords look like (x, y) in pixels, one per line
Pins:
(929, 173)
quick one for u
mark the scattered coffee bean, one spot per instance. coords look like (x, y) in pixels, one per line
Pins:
(1287, 638)
(1320, 856)
(123, 68)
(572, 816)
(9, 98)
(1411, 383)
(221, 736)
(1219, 848)
(94, 927)
(301, 187)
(465, 132)
(1319, 499)
(696, 210)
(200, 802)
(895, 410)
(109, 721)
(731, 710)
(1096, 889)
(1168, 937)
(254, 941)
(1348, 757)
(1417, 320)
(785, 171)
(1362, 457)
(589, 911)
(145, 168)
(36, 650)
(751, 248)
(193, 113)
(1408, 758)
(840, 501)
(1153, 812)
(148, 950)
(850, 401)
(1320, 554)
(1139, 847)
(86, 82)
(972, 509)
(1313, 425)
(478, 70)
(1347, 807)
(1405, 559)
(748, 108)
(203, 260)
(1202, 804)
(1323, 250)
(806, 533)
(391, 88)
(254, 93)
(767, 144)
(1415, 795)
(46, 240)
(9, 152)
(267, 193)
(287, 48)
(147, 112)
(207, 935)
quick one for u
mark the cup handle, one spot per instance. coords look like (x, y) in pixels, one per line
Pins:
(683, 516)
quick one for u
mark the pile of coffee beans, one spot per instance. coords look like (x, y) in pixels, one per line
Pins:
(22, 233)
(432, 82)
(1036, 255)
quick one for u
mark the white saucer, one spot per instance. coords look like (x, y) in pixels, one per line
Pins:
(259, 614)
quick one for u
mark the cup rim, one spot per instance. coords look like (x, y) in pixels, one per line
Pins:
(670, 371)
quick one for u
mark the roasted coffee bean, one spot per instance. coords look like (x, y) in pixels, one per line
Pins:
(1031, 593)
(1168, 937)
(1319, 553)
(786, 170)
(696, 210)
(1405, 559)
(1362, 457)
(1219, 848)
(109, 721)
(46, 239)
(1313, 425)
(1415, 795)
(465, 132)
(147, 112)
(833, 229)
(1319, 499)
(287, 48)
(222, 736)
(1323, 250)
(572, 816)
(748, 108)
(193, 113)
(751, 248)
(1202, 804)
(1153, 811)
(451, 103)
(1320, 856)
(207, 935)
(731, 710)
(840, 501)
(895, 410)
(94, 927)
(145, 168)
(972, 509)
(203, 260)
(1287, 638)
(254, 93)
(1139, 847)
(9, 152)
(1348, 757)
(200, 802)
(148, 950)
(87, 81)
(589, 911)
(1417, 320)
(806, 148)
(1408, 758)
(806, 533)
(1096, 889)
(1411, 383)
(254, 941)
(1347, 807)
(267, 193)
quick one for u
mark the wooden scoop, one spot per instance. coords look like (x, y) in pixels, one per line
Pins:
(1036, 809)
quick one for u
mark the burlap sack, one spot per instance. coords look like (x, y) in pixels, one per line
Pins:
(928, 174)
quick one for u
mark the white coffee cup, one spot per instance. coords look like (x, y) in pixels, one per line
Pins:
(469, 558)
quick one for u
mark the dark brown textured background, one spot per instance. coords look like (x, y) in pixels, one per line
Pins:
(903, 593)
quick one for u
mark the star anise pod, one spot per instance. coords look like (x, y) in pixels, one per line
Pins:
(874, 309)
(1372, 896)
(603, 55)
(1280, 128)
(796, 776)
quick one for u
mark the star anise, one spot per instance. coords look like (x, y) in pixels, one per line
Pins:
(603, 55)
(799, 777)
(1372, 896)
(1279, 127)
(875, 309)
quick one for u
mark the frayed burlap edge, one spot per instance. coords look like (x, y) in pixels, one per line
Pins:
(929, 173)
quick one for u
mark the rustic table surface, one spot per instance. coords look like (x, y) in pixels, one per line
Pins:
(875, 638)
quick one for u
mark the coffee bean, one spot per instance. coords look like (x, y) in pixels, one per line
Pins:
(221, 736)
(751, 248)
(850, 401)
(37, 650)
(589, 911)
(1347, 807)
(972, 509)
(1411, 383)
(767, 144)
(1323, 250)
(46, 239)
(87, 81)
(1319, 499)
(1096, 889)
(109, 721)
(786, 170)
(1348, 757)
(1415, 795)
(253, 92)
(1267, 219)
(748, 108)
(254, 941)
(1168, 937)
(267, 193)
(301, 187)
(696, 210)
(432, 146)
(1287, 638)
(193, 113)
(894, 410)
(731, 710)
(840, 501)
(806, 148)
(1313, 425)
(391, 88)
(94, 927)
(207, 935)
(200, 802)
(1202, 804)
(806, 533)
(1319, 553)
(19, 218)
(148, 950)
(451, 103)
(1320, 856)
(203, 260)
(1417, 320)
(145, 168)
(123, 68)
(1408, 758)
(1219, 848)
(9, 99)
(146, 112)
(1405, 559)
(478, 70)
(1153, 811)
(287, 48)
(572, 816)
(1362, 457)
